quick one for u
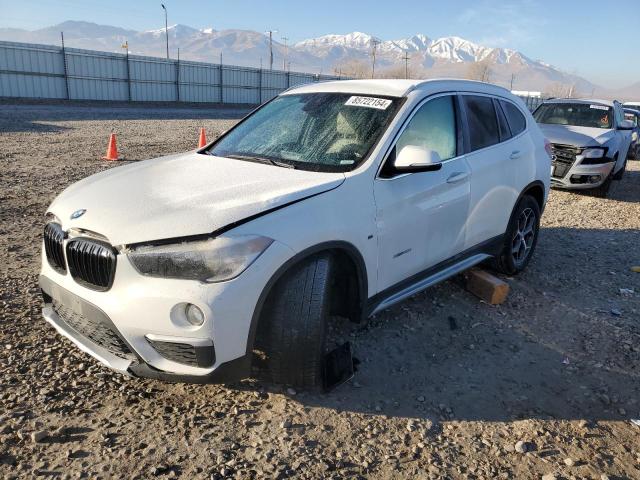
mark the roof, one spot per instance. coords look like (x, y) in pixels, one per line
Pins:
(594, 101)
(397, 88)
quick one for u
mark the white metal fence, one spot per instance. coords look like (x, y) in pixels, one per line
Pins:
(47, 71)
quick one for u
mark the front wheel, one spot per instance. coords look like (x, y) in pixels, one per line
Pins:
(620, 173)
(603, 190)
(520, 238)
(292, 328)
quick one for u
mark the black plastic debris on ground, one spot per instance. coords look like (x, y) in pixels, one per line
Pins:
(339, 367)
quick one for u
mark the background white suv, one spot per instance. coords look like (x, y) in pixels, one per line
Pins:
(590, 141)
(334, 198)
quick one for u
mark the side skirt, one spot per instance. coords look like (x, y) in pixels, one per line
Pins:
(434, 275)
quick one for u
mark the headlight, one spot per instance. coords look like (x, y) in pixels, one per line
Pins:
(213, 260)
(595, 152)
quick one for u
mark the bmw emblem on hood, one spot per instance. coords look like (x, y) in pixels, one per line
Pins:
(78, 213)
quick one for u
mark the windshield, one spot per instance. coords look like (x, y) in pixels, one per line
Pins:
(576, 114)
(315, 131)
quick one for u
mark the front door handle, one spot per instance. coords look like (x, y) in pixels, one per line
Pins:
(515, 154)
(457, 177)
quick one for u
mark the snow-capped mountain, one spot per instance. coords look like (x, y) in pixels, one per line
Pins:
(176, 32)
(416, 43)
(353, 40)
(447, 49)
(349, 54)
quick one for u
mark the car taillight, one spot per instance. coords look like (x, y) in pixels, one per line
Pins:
(547, 147)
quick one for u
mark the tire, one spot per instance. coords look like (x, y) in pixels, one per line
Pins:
(603, 190)
(525, 216)
(291, 332)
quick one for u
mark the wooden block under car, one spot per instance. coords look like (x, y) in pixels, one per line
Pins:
(486, 286)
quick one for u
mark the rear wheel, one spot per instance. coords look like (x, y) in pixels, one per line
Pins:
(292, 330)
(520, 238)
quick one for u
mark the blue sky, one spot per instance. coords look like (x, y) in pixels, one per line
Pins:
(595, 39)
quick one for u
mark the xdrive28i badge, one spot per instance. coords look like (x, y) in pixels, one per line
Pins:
(78, 213)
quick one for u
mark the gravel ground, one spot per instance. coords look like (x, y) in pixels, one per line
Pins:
(448, 387)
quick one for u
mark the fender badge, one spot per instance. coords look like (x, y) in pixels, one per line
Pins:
(78, 213)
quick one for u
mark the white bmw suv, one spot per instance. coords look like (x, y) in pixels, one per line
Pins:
(338, 198)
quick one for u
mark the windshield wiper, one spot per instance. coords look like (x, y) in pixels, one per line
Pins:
(265, 160)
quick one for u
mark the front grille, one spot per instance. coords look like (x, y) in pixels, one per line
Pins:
(91, 263)
(564, 158)
(53, 246)
(95, 330)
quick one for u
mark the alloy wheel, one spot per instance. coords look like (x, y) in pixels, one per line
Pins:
(524, 236)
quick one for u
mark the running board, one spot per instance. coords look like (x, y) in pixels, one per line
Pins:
(425, 283)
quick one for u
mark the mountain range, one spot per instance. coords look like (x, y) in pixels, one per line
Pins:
(348, 55)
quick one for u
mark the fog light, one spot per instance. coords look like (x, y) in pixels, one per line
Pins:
(594, 178)
(194, 315)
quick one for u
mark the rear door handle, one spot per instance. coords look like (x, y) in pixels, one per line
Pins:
(515, 154)
(457, 177)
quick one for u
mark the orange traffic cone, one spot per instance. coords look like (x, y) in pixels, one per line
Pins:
(112, 150)
(203, 139)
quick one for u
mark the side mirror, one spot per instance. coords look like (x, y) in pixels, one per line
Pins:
(626, 125)
(417, 159)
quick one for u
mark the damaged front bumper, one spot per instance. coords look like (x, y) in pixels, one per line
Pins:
(92, 331)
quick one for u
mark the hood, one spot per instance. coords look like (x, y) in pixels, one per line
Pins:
(180, 195)
(576, 136)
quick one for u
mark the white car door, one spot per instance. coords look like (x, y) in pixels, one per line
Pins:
(421, 216)
(494, 170)
(624, 138)
(518, 142)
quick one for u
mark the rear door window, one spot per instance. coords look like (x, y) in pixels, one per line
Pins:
(482, 123)
(516, 119)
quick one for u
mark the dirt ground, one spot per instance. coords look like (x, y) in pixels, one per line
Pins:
(447, 386)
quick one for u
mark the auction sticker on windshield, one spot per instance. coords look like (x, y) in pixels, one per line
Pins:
(369, 102)
(598, 107)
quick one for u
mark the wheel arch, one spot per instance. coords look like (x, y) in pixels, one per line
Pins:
(341, 250)
(536, 190)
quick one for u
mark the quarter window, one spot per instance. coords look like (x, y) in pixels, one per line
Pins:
(516, 119)
(505, 132)
(482, 122)
(432, 127)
